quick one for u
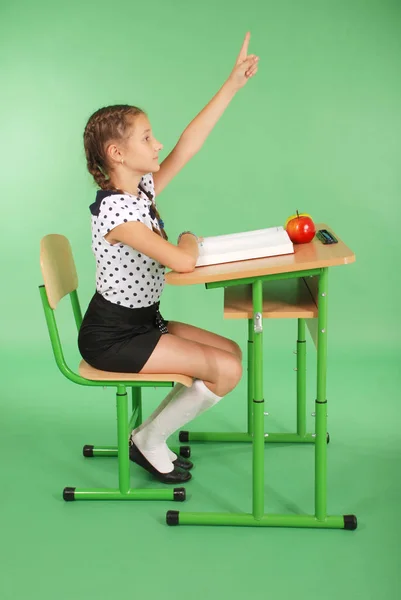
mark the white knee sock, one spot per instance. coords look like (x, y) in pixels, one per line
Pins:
(172, 456)
(185, 405)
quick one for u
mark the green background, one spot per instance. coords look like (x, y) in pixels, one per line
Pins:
(318, 129)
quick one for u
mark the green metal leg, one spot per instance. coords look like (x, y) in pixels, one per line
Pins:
(228, 436)
(251, 377)
(136, 392)
(258, 404)
(124, 492)
(122, 440)
(271, 520)
(321, 402)
(301, 379)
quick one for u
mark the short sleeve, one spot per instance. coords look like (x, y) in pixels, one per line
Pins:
(118, 209)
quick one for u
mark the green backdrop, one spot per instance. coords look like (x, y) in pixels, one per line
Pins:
(318, 129)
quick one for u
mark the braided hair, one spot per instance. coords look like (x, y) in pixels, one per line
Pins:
(106, 124)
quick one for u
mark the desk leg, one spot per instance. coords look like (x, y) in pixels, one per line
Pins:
(258, 440)
(321, 402)
(136, 400)
(301, 379)
(251, 375)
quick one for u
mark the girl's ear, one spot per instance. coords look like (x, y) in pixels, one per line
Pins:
(113, 153)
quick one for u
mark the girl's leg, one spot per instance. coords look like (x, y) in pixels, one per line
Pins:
(172, 456)
(184, 406)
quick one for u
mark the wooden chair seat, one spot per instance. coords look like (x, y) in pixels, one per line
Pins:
(85, 370)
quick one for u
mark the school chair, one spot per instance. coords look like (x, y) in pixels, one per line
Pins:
(60, 279)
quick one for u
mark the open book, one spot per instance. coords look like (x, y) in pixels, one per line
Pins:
(259, 243)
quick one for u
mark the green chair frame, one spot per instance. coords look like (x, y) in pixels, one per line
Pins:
(60, 278)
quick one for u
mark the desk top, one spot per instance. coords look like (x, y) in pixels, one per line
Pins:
(313, 255)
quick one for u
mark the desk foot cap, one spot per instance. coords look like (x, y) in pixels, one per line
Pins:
(185, 451)
(350, 522)
(179, 494)
(88, 450)
(68, 494)
(172, 517)
(184, 436)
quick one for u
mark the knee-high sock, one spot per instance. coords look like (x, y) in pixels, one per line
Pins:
(185, 405)
(172, 456)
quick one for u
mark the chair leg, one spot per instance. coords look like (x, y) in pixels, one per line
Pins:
(122, 439)
(136, 419)
(124, 492)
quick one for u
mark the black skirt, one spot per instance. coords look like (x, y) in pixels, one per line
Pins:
(113, 337)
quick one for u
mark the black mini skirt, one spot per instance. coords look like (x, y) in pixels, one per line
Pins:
(113, 337)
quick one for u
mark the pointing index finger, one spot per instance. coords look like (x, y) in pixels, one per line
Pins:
(244, 49)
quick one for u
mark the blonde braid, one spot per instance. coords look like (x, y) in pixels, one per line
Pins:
(162, 231)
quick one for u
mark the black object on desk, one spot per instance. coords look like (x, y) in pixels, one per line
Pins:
(326, 237)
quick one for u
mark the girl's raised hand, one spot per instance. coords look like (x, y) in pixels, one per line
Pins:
(245, 66)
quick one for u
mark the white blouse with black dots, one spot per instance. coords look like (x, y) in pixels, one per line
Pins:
(124, 275)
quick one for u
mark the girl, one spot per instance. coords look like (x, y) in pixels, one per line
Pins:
(123, 329)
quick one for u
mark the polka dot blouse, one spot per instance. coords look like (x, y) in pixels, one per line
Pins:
(123, 275)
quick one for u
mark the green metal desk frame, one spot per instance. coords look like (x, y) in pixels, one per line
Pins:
(256, 433)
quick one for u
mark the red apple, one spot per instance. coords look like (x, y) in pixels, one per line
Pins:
(300, 228)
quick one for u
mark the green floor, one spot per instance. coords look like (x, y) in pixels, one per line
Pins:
(53, 549)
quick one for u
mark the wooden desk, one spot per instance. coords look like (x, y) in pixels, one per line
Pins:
(288, 286)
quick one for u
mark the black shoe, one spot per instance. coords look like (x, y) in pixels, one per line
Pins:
(175, 476)
(183, 463)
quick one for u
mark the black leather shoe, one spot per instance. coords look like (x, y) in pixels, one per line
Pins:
(175, 476)
(183, 463)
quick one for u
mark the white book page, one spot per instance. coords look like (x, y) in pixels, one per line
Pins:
(268, 233)
(272, 236)
(271, 241)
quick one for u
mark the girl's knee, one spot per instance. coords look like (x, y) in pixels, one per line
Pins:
(235, 374)
(235, 349)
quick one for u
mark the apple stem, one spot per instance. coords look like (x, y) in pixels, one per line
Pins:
(297, 214)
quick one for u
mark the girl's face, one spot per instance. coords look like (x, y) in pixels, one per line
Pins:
(141, 149)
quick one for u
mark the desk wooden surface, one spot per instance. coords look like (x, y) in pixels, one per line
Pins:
(306, 256)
